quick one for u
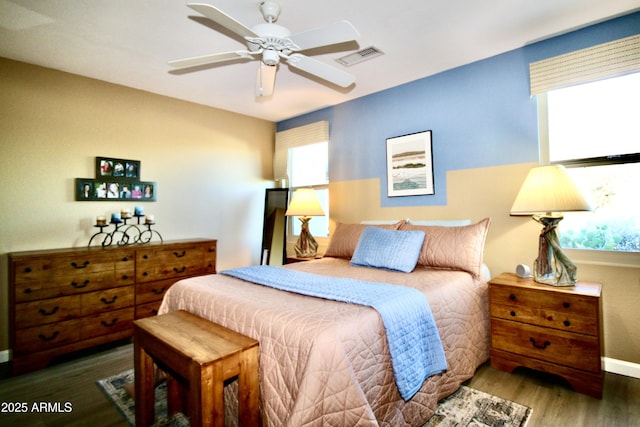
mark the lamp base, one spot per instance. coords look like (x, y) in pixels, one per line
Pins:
(306, 246)
(552, 267)
(558, 277)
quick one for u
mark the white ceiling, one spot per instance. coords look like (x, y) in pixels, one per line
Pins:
(129, 42)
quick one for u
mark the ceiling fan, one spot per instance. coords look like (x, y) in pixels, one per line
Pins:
(270, 42)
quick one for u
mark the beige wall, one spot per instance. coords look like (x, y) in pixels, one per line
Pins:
(489, 192)
(211, 166)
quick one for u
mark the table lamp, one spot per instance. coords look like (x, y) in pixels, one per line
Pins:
(546, 191)
(304, 204)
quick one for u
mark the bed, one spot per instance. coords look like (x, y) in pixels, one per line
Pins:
(325, 362)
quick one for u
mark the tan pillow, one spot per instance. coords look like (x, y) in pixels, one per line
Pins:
(453, 248)
(345, 238)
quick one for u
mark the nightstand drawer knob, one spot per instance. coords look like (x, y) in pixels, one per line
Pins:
(566, 304)
(542, 347)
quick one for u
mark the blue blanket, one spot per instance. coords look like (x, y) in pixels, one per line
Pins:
(413, 339)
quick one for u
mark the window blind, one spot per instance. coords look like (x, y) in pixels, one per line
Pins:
(296, 137)
(606, 60)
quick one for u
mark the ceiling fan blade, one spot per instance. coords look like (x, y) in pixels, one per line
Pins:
(320, 69)
(266, 79)
(338, 32)
(210, 59)
(218, 16)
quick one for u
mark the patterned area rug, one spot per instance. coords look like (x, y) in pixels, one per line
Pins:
(466, 407)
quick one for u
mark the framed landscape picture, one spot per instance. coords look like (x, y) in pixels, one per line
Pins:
(410, 165)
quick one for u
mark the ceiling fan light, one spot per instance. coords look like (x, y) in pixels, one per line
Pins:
(270, 57)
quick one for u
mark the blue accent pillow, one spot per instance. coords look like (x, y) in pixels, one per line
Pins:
(389, 249)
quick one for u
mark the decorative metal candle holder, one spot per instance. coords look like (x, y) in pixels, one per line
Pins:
(126, 234)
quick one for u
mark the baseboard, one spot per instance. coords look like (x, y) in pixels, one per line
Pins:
(622, 367)
(4, 356)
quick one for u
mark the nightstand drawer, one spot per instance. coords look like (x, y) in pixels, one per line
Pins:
(565, 321)
(563, 348)
(573, 304)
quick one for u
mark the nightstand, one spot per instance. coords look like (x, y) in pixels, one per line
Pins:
(292, 259)
(546, 328)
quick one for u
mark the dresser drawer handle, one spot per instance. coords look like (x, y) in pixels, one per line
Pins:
(125, 259)
(566, 305)
(513, 314)
(154, 311)
(182, 270)
(512, 297)
(145, 256)
(28, 291)
(180, 255)
(567, 323)
(49, 313)
(144, 273)
(211, 250)
(125, 276)
(80, 286)
(542, 347)
(28, 270)
(109, 324)
(111, 301)
(52, 337)
(160, 291)
(83, 265)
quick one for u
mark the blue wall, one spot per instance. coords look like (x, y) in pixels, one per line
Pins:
(480, 115)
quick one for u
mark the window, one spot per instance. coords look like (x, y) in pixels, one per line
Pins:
(309, 167)
(302, 157)
(593, 130)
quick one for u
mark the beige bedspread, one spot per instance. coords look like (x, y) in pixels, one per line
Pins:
(327, 363)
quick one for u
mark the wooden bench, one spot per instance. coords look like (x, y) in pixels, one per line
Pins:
(198, 357)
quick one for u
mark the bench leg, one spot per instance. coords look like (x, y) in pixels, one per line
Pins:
(248, 388)
(206, 395)
(174, 396)
(144, 395)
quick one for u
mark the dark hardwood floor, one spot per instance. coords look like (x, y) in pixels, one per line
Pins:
(74, 381)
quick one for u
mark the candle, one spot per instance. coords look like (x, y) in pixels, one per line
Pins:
(138, 211)
(126, 213)
(115, 218)
(149, 219)
(101, 220)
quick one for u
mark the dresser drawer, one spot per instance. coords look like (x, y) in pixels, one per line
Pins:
(85, 262)
(563, 348)
(107, 323)
(148, 309)
(44, 337)
(47, 311)
(152, 291)
(107, 300)
(169, 263)
(65, 285)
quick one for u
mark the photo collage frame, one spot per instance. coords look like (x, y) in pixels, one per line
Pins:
(116, 179)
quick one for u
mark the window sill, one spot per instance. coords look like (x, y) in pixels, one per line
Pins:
(608, 258)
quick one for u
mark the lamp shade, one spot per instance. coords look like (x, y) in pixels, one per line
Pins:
(549, 189)
(304, 203)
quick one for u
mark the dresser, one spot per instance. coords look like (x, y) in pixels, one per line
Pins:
(65, 300)
(550, 329)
